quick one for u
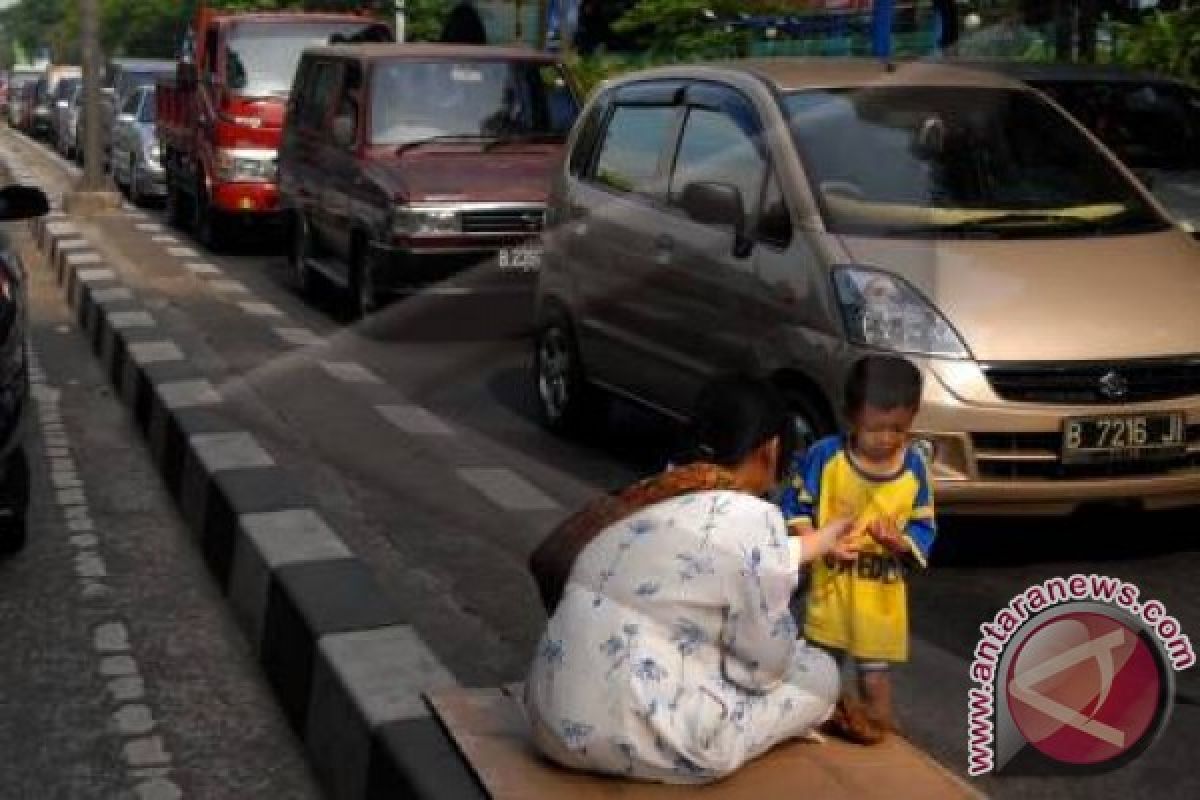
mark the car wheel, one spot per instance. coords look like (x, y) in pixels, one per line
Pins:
(176, 217)
(14, 504)
(298, 253)
(362, 294)
(810, 421)
(135, 183)
(209, 224)
(567, 402)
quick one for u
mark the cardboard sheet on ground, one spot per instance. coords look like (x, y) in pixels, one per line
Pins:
(490, 731)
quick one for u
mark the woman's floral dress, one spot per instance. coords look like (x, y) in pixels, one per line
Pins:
(673, 655)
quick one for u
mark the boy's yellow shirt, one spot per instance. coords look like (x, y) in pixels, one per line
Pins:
(861, 607)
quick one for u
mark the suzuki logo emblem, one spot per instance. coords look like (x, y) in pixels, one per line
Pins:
(1113, 385)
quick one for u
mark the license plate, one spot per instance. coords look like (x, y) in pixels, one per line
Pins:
(1126, 437)
(526, 258)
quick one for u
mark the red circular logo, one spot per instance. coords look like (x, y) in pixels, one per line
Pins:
(1084, 688)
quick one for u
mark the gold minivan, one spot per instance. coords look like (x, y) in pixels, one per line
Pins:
(784, 217)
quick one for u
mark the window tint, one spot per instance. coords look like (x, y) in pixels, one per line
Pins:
(717, 149)
(319, 91)
(775, 220)
(633, 147)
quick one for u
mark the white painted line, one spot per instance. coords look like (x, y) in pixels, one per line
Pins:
(85, 540)
(415, 420)
(146, 227)
(111, 637)
(79, 259)
(155, 352)
(188, 394)
(112, 295)
(228, 286)
(182, 252)
(507, 489)
(74, 244)
(127, 688)
(222, 451)
(386, 671)
(95, 275)
(202, 268)
(90, 565)
(350, 372)
(301, 337)
(258, 309)
(70, 497)
(293, 536)
(61, 228)
(121, 320)
(146, 752)
(133, 720)
(164, 238)
(114, 666)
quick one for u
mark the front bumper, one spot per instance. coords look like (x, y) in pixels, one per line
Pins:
(464, 261)
(246, 198)
(995, 456)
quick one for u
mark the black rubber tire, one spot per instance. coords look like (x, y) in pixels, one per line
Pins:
(14, 497)
(176, 205)
(810, 418)
(209, 224)
(135, 193)
(361, 298)
(299, 248)
(567, 404)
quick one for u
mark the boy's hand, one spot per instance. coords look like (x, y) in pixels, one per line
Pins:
(846, 549)
(888, 535)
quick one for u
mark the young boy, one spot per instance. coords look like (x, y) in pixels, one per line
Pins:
(857, 602)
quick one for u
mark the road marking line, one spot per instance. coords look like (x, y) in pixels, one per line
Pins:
(94, 275)
(79, 259)
(70, 497)
(225, 451)
(155, 352)
(257, 309)
(182, 252)
(164, 238)
(122, 320)
(301, 337)
(414, 419)
(111, 637)
(118, 666)
(507, 489)
(203, 268)
(188, 394)
(228, 286)
(350, 372)
(147, 752)
(113, 295)
(134, 719)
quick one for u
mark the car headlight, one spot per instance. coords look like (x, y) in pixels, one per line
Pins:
(414, 221)
(235, 167)
(883, 311)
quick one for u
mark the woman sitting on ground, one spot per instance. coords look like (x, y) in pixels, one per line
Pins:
(671, 654)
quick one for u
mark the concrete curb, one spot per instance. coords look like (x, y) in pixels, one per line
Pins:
(347, 671)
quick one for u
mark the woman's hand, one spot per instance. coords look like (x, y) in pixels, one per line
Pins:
(832, 538)
(887, 534)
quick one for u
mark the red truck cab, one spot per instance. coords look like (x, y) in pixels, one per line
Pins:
(220, 118)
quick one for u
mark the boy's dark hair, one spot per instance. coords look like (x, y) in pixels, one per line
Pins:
(883, 382)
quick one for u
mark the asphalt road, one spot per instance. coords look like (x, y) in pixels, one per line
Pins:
(417, 432)
(123, 673)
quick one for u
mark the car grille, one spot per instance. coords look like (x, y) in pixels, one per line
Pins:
(1036, 456)
(1096, 383)
(501, 221)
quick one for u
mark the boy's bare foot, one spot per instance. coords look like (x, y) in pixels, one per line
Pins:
(850, 721)
(876, 689)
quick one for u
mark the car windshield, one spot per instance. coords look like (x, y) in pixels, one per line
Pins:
(261, 58)
(146, 115)
(929, 161)
(131, 80)
(1148, 125)
(416, 100)
(66, 88)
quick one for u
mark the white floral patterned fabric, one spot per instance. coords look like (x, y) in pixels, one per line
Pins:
(673, 655)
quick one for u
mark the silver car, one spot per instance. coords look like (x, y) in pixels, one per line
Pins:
(67, 128)
(136, 158)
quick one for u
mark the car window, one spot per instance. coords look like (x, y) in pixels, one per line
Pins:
(132, 103)
(146, 115)
(716, 148)
(317, 95)
(585, 142)
(633, 148)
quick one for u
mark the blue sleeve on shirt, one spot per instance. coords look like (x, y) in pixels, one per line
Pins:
(922, 526)
(801, 496)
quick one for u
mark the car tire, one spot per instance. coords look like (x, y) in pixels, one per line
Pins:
(209, 223)
(362, 295)
(810, 421)
(299, 248)
(135, 184)
(567, 403)
(176, 217)
(14, 504)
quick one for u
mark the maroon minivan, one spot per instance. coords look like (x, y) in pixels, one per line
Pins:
(400, 159)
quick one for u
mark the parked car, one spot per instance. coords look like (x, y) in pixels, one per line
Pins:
(136, 158)
(18, 79)
(121, 78)
(67, 127)
(1150, 121)
(46, 109)
(397, 156)
(61, 102)
(31, 95)
(16, 203)
(783, 218)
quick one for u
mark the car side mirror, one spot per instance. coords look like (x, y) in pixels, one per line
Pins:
(718, 204)
(343, 131)
(22, 202)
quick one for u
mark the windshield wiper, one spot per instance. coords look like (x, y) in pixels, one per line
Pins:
(528, 136)
(445, 137)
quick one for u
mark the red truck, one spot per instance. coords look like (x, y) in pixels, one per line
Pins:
(220, 118)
